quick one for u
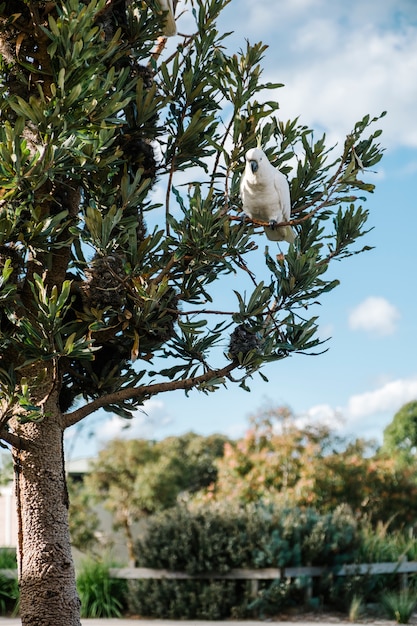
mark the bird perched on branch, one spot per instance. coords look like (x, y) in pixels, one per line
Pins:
(265, 195)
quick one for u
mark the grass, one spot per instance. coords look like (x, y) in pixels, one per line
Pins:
(100, 595)
(356, 608)
(381, 544)
(400, 605)
(9, 588)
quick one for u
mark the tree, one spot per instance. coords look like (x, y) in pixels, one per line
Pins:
(84, 520)
(6, 469)
(90, 298)
(400, 436)
(136, 478)
(270, 462)
(280, 462)
(376, 488)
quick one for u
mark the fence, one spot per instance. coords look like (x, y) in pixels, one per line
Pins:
(401, 567)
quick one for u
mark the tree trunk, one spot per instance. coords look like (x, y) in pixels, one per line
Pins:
(130, 543)
(48, 595)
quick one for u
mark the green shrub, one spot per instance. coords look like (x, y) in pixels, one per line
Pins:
(189, 599)
(199, 541)
(378, 544)
(304, 536)
(100, 595)
(399, 605)
(275, 596)
(9, 588)
(218, 538)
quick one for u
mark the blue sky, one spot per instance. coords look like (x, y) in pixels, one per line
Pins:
(338, 61)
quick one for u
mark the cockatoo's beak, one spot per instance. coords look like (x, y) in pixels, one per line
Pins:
(254, 165)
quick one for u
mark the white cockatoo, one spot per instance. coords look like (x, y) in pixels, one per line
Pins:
(170, 28)
(265, 195)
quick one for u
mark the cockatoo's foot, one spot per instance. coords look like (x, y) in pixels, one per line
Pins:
(273, 224)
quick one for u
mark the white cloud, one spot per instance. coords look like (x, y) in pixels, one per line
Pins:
(339, 62)
(349, 75)
(376, 315)
(322, 414)
(390, 397)
(143, 424)
(365, 414)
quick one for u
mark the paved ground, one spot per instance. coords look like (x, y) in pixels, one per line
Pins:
(6, 621)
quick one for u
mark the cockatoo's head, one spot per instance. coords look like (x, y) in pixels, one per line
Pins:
(254, 158)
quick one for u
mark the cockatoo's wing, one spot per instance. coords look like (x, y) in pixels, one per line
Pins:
(282, 189)
(170, 28)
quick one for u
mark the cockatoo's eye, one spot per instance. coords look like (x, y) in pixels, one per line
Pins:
(254, 166)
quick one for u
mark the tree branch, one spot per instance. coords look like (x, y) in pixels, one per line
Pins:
(14, 440)
(145, 392)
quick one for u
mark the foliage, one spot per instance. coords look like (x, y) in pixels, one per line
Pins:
(208, 538)
(6, 469)
(385, 542)
(184, 599)
(84, 521)
(399, 605)
(9, 588)
(273, 598)
(275, 464)
(400, 436)
(268, 462)
(303, 536)
(8, 558)
(218, 538)
(200, 540)
(100, 595)
(374, 486)
(278, 461)
(356, 609)
(377, 544)
(135, 478)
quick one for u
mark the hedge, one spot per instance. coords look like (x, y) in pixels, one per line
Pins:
(220, 538)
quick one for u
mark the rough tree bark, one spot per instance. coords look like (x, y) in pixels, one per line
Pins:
(46, 571)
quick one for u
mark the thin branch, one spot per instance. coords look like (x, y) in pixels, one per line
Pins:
(187, 41)
(220, 151)
(145, 392)
(243, 266)
(292, 222)
(205, 312)
(166, 270)
(161, 43)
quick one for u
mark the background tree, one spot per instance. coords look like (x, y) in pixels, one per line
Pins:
(6, 469)
(89, 297)
(84, 520)
(280, 462)
(400, 436)
(135, 478)
(376, 488)
(270, 461)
